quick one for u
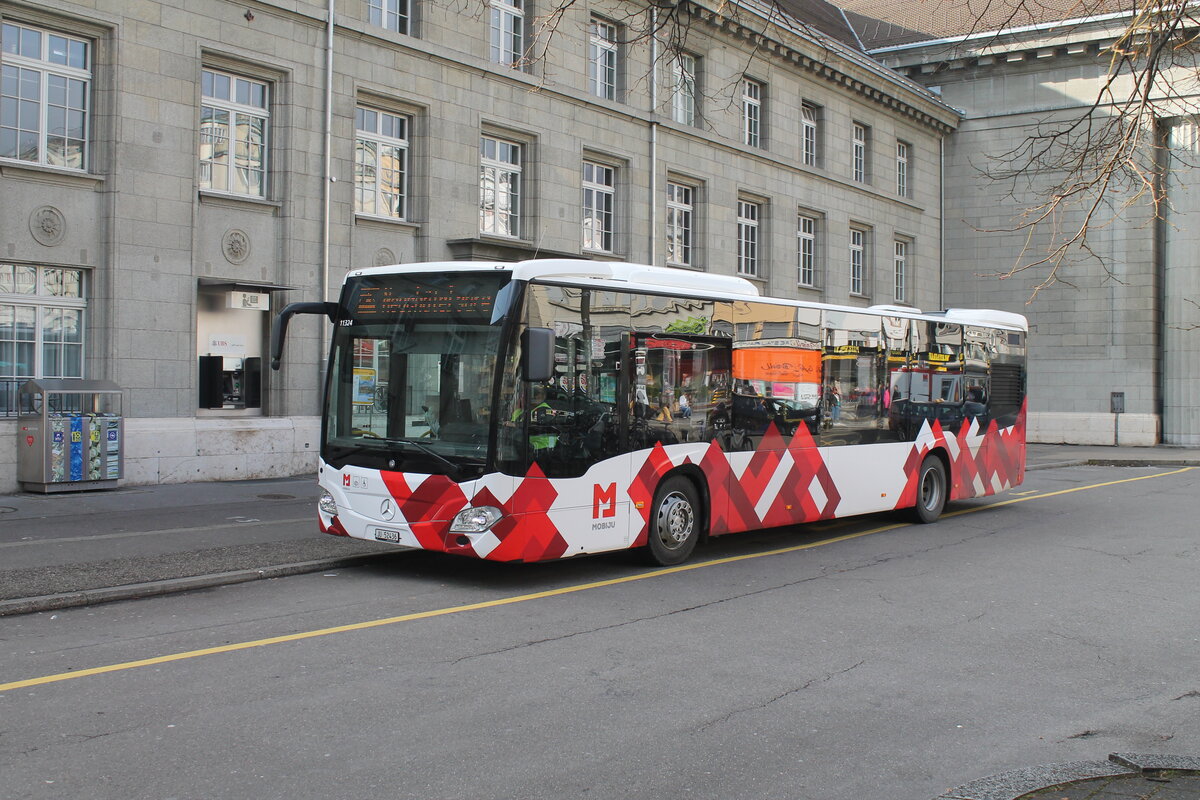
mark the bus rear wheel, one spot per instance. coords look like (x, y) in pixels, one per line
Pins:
(931, 490)
(674, 523)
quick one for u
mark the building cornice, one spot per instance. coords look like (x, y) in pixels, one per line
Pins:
(1088, 38)
(827, 60)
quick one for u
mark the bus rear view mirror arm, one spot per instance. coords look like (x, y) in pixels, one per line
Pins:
(280, 324)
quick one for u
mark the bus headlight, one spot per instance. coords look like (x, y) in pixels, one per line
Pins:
(327, 505)
(476, 519)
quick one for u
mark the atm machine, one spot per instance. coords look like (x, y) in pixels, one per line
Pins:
(230, 382)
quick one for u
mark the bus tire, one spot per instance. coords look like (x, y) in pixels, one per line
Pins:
(931, 490)
(674, 522)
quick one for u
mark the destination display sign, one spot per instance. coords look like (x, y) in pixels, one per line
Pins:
(439, 296)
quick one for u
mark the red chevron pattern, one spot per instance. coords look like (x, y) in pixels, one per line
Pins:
(778, 483)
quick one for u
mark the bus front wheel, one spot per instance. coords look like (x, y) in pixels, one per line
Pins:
(931, 490)
(674, 523)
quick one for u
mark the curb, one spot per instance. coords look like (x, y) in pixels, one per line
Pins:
(1082, 462)
(133, 591)
(1018, 783)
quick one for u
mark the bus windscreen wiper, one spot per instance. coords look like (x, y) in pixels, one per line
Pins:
(429, 451)
(373, 443)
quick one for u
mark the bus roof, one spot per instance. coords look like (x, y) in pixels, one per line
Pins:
(662, 280)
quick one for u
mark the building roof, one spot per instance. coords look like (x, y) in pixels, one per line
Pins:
(824, 16)
(889, 23)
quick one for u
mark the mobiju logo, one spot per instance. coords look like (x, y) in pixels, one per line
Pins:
(604, 501)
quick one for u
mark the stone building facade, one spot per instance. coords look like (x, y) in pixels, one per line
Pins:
(173, 175)
(1114, 345)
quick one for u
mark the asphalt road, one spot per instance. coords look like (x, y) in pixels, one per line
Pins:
(857, 660)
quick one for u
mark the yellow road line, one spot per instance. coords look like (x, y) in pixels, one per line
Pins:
(1066, 491)
(441, 612)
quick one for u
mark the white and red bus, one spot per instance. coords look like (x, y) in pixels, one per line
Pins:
(552, 408)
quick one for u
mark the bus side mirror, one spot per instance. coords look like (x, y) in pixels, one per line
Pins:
(280, 324)
(537, 354)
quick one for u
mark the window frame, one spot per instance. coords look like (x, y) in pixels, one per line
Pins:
(809, 238)
(236, 111)
(507, 19)
(603, 58)
(753, 93)
(42, 300)
(903, 172)
(683, 87)
(681, 218)
(381, 140)
(860, 152)
(48, 70)
(901, 258)
(810, 134)
(496, 166)
(607, 232)
(859, 260)
(749, 238)
(380, 11)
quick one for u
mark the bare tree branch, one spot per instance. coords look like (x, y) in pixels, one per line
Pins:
(1107, 157)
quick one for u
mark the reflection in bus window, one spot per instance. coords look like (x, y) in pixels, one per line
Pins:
(776, 373)
(569, 423)
(933, 386)
(854, 379)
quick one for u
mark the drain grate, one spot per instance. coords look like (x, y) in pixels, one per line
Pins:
(277, 497)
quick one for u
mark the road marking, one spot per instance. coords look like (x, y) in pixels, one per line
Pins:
(1066, 491)
(505, 601)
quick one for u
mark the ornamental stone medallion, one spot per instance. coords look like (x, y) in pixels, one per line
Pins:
(235, 246)
(384, 257)
(48, 225)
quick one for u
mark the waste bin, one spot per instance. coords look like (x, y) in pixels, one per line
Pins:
(71, 435)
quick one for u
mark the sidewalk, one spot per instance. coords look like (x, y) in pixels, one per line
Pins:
(1043, 456)
(72, 549)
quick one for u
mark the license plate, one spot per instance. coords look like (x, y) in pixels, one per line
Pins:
(385, 535)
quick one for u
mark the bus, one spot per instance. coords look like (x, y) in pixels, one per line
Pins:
(552, 408)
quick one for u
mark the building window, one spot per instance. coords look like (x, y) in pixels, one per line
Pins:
(602, 60)
(381, 163)
(499, 187)
(902, 150)
(858, 261)
(861, 153)
(41, 326)
(752, 92)
(599, 201)
(810, 134)
(680, 210)
(806, 250)
(900, 263)
(45, 95)
(390, 14)
(747, 238)
(683, 88)
(508, 32)
(233, 134)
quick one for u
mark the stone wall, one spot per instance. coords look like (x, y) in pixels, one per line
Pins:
(182, 449)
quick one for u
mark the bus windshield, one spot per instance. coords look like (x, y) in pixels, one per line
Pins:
(411, 373)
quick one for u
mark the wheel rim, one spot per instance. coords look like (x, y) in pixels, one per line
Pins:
(931, 490)
(676, 521)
